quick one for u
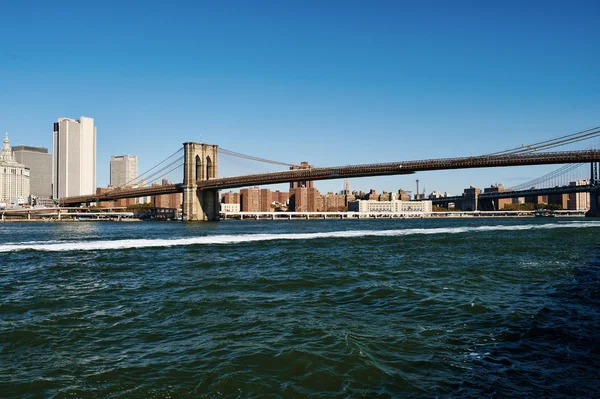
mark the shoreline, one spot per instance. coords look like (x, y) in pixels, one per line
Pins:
(230, 219)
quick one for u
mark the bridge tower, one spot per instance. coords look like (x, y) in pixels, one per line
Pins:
(595, 183)
(200, 163)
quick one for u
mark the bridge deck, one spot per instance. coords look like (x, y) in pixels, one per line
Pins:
(340, 172)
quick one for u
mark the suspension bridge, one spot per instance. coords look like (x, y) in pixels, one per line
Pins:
(201, 184)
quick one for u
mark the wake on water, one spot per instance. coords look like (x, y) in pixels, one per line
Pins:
(54, 246)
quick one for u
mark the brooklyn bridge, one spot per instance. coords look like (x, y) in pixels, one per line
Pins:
(201, 183)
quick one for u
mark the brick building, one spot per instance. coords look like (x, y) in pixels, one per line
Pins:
(496, 204)
(265, 200)
(304, 183)
(250, 199)
(280, 197)
(298, 201)
(334, 202)
(230, 198)
(174, 200)
(105, 204)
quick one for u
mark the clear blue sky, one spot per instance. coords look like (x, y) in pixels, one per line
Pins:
(332, 83)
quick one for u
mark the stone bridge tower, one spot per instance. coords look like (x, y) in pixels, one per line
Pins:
(200, 163)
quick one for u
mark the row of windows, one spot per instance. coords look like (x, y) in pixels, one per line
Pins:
(13, 171)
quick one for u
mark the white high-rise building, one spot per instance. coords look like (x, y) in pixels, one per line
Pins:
(123, 170)
(14, 177)
(74, 158)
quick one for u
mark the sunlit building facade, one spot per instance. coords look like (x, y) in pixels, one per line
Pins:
(14, 177)
(123, 170)
(389, 206)
(74, 158)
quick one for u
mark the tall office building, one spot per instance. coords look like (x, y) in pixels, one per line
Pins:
(74, 158)
(14, 177)
(123, 170)
(39, 163)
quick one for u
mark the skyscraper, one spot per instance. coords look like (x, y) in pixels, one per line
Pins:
(74, 158)
(39, 163)
(123, 170)
(14, 177)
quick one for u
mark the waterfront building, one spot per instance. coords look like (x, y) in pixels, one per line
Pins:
(265, 200)
(123, 170)
(315, 200)
(14, 177)
(105, 204)
(74, 158)
(230, 198)
(403, 195)
(371, 195)
(228, 207)
(560, 200)
(436, 194)
(499, 203)
(254, 199)
(298, 201)
(279, 197)
(42, 202)
(303, 199)
(470, 199)
(250, 199)
(334, 202)
(579, 201)
(390, 206)
(173, 200)
(39, 162)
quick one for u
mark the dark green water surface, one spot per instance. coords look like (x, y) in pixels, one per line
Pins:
(321, 309)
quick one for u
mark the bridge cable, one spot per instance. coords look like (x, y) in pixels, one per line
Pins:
(557, 144)
(252, 158)
(169, 171)
(562, 171)
(550, 143)
(157, 174)
(152, 168)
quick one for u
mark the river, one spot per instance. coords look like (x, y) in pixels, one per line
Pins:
(317, 308)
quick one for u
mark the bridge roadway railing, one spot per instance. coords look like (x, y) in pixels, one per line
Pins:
(397, 168)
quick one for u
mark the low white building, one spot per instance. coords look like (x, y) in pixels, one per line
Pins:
(389, 206)
(14, 177)
(230, 207)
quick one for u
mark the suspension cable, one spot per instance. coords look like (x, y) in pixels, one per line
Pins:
(152, 168)
(167, 172)
(551, 143)
(563, 170)
(153, 176)
(239, 155)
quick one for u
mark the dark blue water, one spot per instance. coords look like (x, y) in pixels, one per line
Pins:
(379, 308)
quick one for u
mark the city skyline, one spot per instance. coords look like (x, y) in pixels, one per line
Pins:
(391, 83)
(579, 174)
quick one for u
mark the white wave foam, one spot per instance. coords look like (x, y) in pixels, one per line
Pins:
(53, 246)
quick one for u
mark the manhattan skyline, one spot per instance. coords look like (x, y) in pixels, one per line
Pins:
(331, 84)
